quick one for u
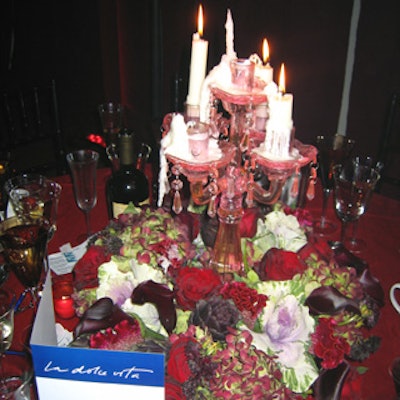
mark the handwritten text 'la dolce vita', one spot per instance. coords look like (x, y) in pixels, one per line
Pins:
(126, 373)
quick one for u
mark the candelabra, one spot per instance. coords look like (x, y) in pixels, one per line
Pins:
(231, 176)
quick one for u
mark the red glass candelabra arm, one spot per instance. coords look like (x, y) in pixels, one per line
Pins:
(264, 196)
(202, 194)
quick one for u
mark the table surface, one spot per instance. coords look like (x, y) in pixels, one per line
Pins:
(379, 227)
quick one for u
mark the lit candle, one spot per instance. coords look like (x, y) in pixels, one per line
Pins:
(280, 124)
(62, 298)
(284, 101)
(265, 72)
(198, 63)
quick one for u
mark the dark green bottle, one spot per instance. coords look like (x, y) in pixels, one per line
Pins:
(128, 184)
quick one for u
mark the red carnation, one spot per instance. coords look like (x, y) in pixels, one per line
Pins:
(328, 346)
(85, 270)
(194, 284)
(122, 336)
(247, 300)
(280, 265)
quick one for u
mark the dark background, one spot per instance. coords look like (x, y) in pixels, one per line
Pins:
(132, 52)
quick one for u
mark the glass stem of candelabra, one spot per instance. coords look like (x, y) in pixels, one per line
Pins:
(238, 122)
(227, 253)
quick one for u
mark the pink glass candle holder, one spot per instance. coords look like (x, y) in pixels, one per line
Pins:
(242, 71)
(62, 299)
(199, 136)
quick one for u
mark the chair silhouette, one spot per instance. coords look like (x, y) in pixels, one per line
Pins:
(30, 130)
(389, 150)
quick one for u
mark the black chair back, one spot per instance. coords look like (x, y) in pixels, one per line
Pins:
(30, 130)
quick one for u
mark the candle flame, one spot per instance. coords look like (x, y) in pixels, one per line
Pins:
(265, 51)
(200, 21)
(282, 79)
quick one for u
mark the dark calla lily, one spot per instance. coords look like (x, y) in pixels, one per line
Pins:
(328, 300)
(163, 299)
(101, 315)
(345, 258)
(329, 384)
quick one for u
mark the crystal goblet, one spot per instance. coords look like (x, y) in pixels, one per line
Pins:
(83, 166)
(24, 243)
(354, 243)
(353, 187)
(32, 196)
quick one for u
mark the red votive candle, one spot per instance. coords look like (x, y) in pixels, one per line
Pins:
(62, 299)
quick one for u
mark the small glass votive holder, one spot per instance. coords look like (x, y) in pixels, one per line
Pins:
(198, 136)
(62, 299)
(262, 113)
(242, 70)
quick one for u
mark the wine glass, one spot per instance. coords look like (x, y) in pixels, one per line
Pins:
(34, 195)
(111, 121)
(83, 165)
(332, 150)
(354, 243)
(24, 243)
(353, 187)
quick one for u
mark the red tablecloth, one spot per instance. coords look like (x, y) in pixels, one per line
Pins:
(380, 228)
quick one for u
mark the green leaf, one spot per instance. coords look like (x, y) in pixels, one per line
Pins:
(361, 370)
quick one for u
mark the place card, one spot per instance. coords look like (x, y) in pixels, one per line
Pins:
(64, 261)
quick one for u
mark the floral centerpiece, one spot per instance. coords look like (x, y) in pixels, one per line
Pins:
(288, 328)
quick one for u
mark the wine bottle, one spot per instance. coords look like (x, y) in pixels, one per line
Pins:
(127, 184)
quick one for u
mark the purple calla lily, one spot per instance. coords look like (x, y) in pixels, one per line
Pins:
(162, 298)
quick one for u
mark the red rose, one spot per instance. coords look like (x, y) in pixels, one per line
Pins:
(280, 265)
(85, 270)
(248, 223)
(178, 366)
(318, 246)
(173, 390)
(194, 284)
